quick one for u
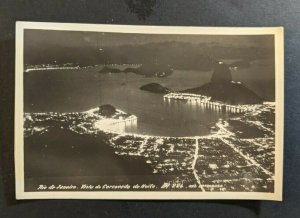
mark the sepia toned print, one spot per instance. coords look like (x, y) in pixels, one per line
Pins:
(144, 112)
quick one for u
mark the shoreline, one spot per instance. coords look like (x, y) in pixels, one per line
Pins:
(206, 101)
(195, 157)
(222, 132)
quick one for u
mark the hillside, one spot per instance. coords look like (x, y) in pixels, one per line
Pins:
(222, 88)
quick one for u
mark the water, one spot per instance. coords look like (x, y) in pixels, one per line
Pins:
(80, 90)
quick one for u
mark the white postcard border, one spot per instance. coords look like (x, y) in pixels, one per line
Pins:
(171, 195)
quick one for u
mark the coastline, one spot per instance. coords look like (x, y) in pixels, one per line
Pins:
(184, 156)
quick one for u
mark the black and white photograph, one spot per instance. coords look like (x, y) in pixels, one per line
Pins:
(148, 112)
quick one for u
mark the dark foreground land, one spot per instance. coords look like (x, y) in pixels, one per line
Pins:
(63, 157)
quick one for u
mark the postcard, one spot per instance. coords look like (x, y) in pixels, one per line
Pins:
(148, 112)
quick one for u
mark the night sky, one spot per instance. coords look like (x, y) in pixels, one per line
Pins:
(35, 38)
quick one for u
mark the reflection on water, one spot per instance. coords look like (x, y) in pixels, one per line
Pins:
(118, 126)
(204, 104)
(194, 105)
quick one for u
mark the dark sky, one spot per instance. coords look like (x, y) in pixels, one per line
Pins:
(80, 38)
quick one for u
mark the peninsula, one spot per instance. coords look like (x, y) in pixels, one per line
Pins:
(222, 88)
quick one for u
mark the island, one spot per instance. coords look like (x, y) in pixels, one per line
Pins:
(155, 88)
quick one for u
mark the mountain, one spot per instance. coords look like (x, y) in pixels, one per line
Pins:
(222, 88)
(177, 55)
(107, 110)
(221, 74)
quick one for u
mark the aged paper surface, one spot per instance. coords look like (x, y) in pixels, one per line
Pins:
(148, 112)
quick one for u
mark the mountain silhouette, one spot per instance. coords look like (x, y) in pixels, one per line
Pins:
(222, 88)
(178, 55)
